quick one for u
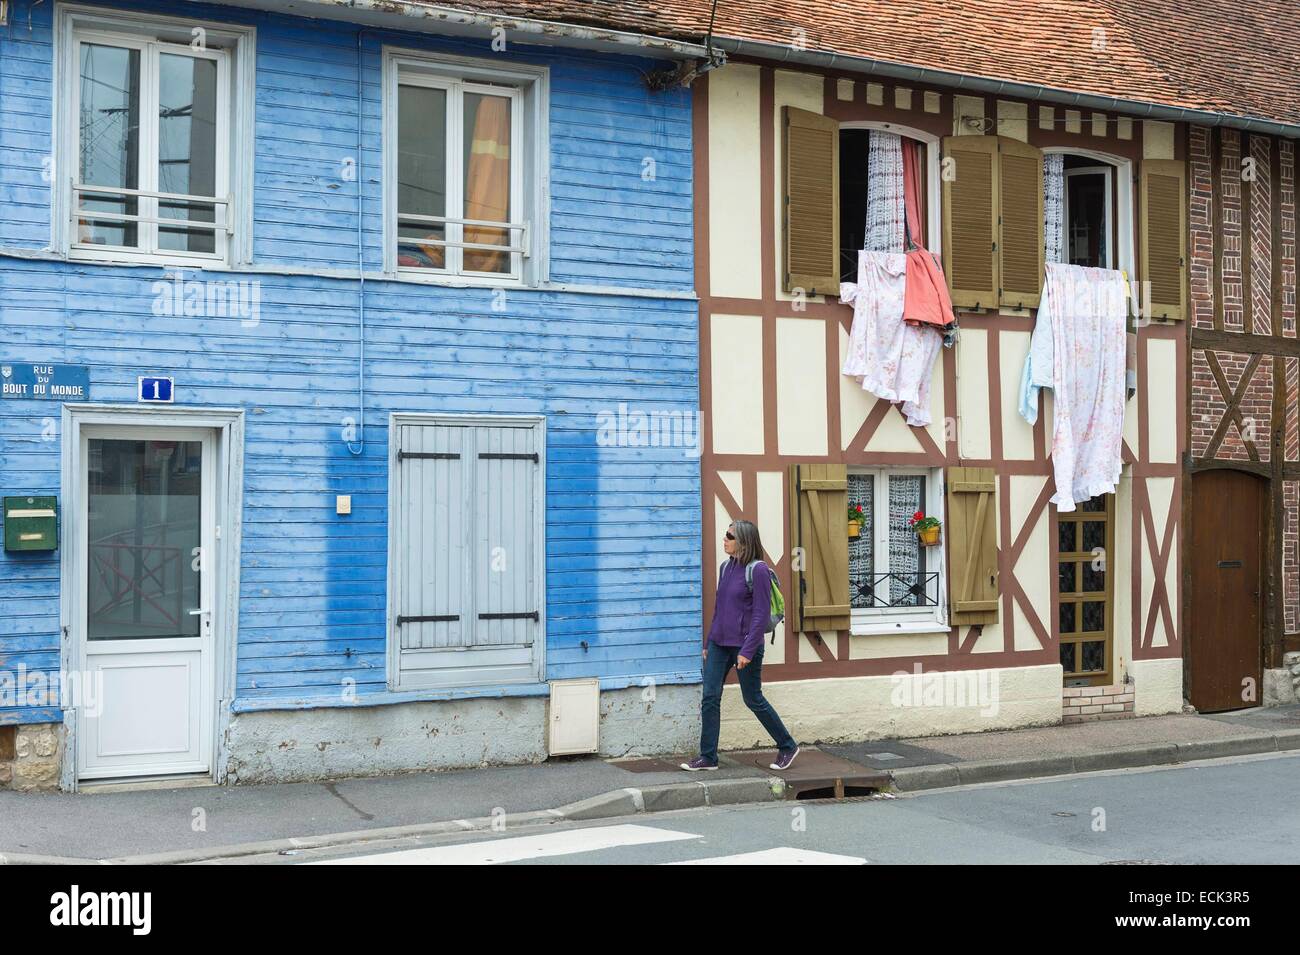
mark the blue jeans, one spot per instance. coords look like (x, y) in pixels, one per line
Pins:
(716, 667)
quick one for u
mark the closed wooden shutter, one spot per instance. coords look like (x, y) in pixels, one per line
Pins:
(970, 208)
(466, 567)
(811, 202)
(819, 503)
(506, 466)
(1020, 223)
(972, 545)
(433, 589)
(1163, 224)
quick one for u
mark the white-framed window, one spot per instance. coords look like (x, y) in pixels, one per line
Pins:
(465, 182)
(154, 150)
(858, 172)
(1094, 209)
(896, 585)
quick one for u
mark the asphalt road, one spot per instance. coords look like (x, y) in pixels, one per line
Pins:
(1240, 810)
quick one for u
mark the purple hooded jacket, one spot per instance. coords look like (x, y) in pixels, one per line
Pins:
(734, 622)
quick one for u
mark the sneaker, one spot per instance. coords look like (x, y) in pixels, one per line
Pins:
(783, 760)
(697, 764)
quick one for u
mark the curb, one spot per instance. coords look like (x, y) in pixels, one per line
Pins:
(946, 775)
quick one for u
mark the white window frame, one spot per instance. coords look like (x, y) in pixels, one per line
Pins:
(1108, 202)
(232, 48)
(528, 89)
(933, 194)
(1120, 204)
(885, 620)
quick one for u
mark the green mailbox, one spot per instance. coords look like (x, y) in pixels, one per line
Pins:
(31, 523)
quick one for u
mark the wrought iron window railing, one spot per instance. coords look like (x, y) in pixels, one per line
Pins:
(884, 591)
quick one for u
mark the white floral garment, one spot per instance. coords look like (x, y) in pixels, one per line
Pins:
(1086, 311)
(889, 358)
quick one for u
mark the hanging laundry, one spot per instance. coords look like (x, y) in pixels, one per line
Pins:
(927, 301)
(889, 357)
(1083, 312)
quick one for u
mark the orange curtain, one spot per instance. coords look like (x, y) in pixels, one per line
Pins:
(913, 192)
(487, 184)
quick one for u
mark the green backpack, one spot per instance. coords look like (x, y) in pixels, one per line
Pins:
(776, 610)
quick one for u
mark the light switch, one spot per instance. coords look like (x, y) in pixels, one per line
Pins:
(343, 504)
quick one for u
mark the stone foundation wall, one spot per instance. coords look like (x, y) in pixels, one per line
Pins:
(30, 757)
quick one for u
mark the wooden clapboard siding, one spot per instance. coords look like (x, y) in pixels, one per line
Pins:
(623, 602)
(1020, 223)
(970, 209)
(811, 207)
(1163, 228)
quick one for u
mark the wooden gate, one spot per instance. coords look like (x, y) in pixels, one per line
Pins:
(1227, 542)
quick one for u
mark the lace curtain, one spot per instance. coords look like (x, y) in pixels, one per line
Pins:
(1054, 207)
(886, 211)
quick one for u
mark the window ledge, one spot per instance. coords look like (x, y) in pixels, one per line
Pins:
(881, 628)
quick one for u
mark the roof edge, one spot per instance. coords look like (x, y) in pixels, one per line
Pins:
(448, 19)
(1033, 91)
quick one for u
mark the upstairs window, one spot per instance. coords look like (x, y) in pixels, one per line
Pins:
(149, 140)
(464, 190)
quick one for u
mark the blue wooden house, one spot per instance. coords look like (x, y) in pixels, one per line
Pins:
(349, 391)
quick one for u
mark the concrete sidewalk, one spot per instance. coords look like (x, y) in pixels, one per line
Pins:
(193, 823)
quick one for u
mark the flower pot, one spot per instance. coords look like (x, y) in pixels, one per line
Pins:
(855, 528)
(929, 536)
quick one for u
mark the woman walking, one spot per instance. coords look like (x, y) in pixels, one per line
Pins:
(735, 638)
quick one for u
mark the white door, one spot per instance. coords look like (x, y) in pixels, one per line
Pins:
(146, 544)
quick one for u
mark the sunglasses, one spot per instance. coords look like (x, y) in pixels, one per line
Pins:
(730, 536)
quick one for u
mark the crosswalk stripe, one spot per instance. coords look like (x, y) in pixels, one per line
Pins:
(497, 851)
(778, 856)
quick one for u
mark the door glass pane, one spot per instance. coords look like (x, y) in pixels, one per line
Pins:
(1065, 617)
(1094, 579)
(1066, 541)
(143, 535)
(421, 176)
(108, 142)
(862, 548)
(187, 149)
(487, 179)
(1094, 615)
(1067, 657)
(1066, 574)
(1094, 655)
(906, 555)
(1094, 535)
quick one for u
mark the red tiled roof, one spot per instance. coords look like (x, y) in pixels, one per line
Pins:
(1239, 57)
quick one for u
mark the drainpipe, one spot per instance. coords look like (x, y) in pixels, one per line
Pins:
(979, 84)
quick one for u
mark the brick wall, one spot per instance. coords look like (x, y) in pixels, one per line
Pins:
(1216, 224)
(1085, 704)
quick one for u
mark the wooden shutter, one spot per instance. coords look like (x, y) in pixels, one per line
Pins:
(972, 545)
(819, 504)
(1020, 223)
(1163, 224)
(811, 201)
(466, 568)
(969, 174)
(506, 468)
